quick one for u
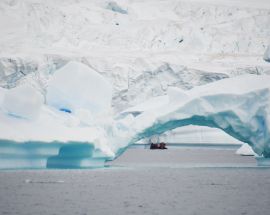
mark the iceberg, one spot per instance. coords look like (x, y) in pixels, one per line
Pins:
(39, 134)
(87, 136)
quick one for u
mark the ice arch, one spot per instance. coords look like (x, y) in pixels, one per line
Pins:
(244, 116)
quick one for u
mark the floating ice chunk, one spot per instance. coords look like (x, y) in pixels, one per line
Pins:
(23, 101)
(77, 86)
(245, 150)
(266, 56)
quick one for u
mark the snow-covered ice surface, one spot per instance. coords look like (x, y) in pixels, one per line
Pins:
(143, 48)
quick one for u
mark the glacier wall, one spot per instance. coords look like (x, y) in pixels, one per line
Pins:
(149, 45)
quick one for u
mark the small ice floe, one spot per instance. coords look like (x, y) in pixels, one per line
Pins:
(29, 181)
(245, 150)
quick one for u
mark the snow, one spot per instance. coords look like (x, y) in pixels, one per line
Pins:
(76, 86)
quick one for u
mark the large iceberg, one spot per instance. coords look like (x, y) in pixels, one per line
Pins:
(70, 139)
(35, 134)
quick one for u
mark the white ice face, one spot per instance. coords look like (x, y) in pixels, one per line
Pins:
(76, 86)
(23, 101)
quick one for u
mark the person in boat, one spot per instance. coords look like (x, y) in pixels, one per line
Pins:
(162, 145)
(156, 144)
